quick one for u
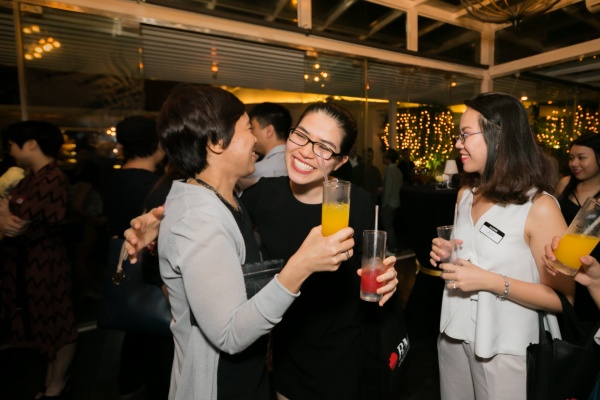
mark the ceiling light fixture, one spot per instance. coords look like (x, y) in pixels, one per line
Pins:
(506, 11)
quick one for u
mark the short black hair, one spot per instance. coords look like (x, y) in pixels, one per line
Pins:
(273, 114)
(137, 136)
(391, 155)
(48, 136)
(192, 116)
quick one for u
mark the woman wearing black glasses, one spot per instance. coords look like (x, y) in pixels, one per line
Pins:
(316, 347)
(496, 280)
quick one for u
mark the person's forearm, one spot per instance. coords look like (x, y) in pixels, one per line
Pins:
(594, 289)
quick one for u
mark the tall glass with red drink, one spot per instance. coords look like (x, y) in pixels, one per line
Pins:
(372, 264)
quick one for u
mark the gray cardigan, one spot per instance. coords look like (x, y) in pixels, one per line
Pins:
(201, 251)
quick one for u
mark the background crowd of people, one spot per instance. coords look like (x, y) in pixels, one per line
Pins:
(243, 187)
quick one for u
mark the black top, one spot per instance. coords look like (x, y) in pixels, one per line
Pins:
(243, 376)
(315, 346)
(126, 193)
(585, 308)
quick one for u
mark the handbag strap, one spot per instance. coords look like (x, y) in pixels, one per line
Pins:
(570, 316)
(568, 311)
(118, 275)
(122, 256)
(543, 338)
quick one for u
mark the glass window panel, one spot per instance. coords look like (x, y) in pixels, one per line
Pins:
(80, 68)
(10, 110)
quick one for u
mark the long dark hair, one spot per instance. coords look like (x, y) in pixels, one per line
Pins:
(591, 140)
(515, 163)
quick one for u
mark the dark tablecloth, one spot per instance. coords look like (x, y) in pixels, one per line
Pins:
(422, 209)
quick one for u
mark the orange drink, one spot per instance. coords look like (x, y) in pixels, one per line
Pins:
(571, 247)
(334, 217)
(582, 235)
(335, 213)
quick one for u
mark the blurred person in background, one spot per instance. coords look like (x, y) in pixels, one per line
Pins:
(36, 280)
(271, 124)
(390, 198)
(140, 372)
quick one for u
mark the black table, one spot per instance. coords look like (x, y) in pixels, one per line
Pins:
(422, 209)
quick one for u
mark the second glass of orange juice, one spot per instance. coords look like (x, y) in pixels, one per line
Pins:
(580, 239)
(336, 206)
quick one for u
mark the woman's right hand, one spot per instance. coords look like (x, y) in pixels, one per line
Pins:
(144, 229)
(317, 253)
(549, 256)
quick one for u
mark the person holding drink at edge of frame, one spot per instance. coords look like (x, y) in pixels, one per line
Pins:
(324, 323)
(571, 191)
(497, 280)
(206, 236)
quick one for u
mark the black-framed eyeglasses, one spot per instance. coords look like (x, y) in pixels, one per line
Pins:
(299, 138)
(463, 136)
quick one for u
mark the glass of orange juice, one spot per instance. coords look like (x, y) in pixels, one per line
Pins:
(580, 238)
(336, 206)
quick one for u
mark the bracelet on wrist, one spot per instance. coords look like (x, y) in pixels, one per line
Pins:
(504, 294)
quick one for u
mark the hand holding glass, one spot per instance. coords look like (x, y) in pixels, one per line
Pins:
(580, 238)
(445, 232)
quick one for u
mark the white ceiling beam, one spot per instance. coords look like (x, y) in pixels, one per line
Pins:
(412, 30)
(304, 8)
(454, 16)
(178, 19)
(583, 67)
(549, 58)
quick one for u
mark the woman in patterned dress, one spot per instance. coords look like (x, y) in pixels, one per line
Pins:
(36, 281)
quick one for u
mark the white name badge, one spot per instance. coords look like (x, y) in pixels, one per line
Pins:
(493, 233)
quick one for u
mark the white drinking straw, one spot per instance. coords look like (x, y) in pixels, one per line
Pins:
(375, 238)
(320, 162)
(455, 215)
(593, 226)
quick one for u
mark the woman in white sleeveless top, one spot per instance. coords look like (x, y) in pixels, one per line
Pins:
(497, 279)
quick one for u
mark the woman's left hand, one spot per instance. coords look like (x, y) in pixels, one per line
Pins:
(464, 276)
(389, 279)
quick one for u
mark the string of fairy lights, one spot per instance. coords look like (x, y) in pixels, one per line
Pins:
(426, 132)
(558, 129)
(429, 132)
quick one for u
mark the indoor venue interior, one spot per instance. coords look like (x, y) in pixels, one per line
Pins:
(403, 68)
